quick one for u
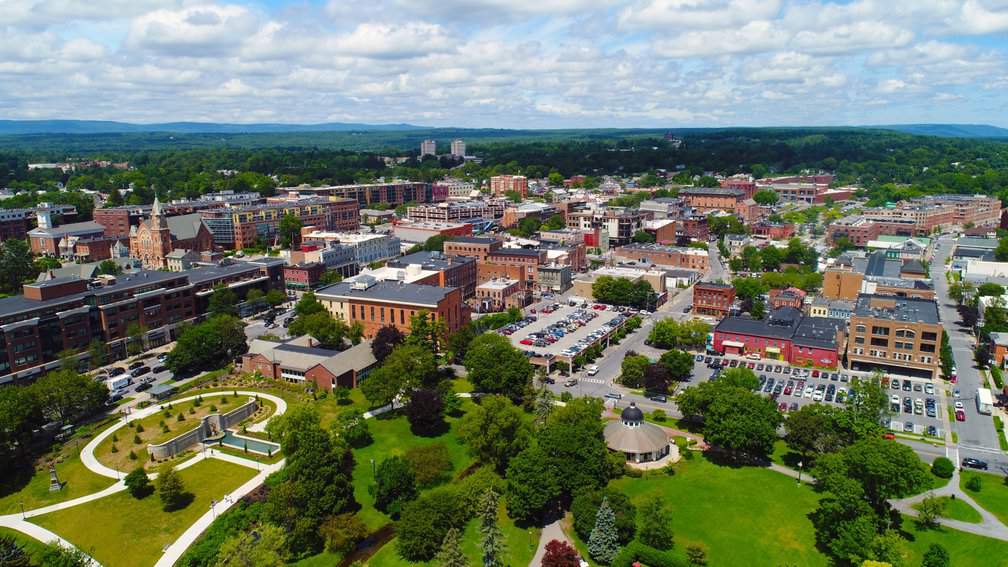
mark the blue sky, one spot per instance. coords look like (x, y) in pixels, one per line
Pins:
(508, 64)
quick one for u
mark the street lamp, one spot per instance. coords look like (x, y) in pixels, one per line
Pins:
(800, 465)
(212, 509)
(22, 510)
(373, 473)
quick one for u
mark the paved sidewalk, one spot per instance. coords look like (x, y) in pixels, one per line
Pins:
(990, 526)
(550, 532)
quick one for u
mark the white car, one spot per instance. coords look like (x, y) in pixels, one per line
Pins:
(809, 390)
(592, 370)
(929, 388)
(959, 405)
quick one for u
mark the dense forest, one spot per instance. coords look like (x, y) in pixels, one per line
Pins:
(889, 165)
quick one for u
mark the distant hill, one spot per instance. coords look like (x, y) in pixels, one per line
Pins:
(17, 127)
(949, 130)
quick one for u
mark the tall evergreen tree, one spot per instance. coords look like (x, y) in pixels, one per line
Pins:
(451, 553)
(603, 544)
(490, 532)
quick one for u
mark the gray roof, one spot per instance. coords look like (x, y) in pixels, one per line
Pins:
(205, 274)
(981, 243)
(999, 338)
(516, 252)
(304, 358)
(903, 308)
(184, 227)
(472, 239)
(781, 328)
(429, 260)
(711, 191)
(876, 264)
(71, 229)
(973, 253)
(818, 332)
(913, 267)
(388, 291)
(643, 438)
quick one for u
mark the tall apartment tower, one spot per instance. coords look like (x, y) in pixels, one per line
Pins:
(428, 148)
(458, 148)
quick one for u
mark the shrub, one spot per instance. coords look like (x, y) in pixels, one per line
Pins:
(181, 416)
(974, 483)
(942, 467)
(431, 464)
(140, 428)
(114, 448)
(658, 415)
(637, 552)
(425, 413)
(136, 440)
(191, 411)
(566, 397)
(343, 532)
(132, 456)
(213, 408)
(115, 438)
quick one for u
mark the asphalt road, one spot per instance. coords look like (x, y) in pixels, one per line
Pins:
(977, 437)
(257, 327)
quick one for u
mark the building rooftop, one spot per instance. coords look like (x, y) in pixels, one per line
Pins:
(721, 191)
(516, 252)
(714, 285)
(368, 288)
(820, 332)
(68, 229)
(897, 308)
(981, 243)
(780, 325)
(497, 283)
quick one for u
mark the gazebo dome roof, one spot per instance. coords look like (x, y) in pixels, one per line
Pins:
(632, 413)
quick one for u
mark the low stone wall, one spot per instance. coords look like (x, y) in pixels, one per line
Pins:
(210, 426)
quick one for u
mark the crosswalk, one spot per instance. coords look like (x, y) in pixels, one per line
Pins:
(594, 380)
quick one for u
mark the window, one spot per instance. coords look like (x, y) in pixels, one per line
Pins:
(880, 330)
(929, 336)
(859, 340)
(926, 347)
(880, 342)
(906, 333)
(382, 310)
(860, 328)
(372, 313)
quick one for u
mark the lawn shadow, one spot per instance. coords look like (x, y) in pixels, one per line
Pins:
(183, 501)
(792, 458)
(733, 459)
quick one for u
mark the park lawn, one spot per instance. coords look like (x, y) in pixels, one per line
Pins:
(958, 510)
(392, 436)
(993, 495)
(743, 516)
(78, 481)
(121, 530)
(152, 433)
(33, 547)
(965, 550)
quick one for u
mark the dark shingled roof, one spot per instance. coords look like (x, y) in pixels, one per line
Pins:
(818, 332)
(777, 326)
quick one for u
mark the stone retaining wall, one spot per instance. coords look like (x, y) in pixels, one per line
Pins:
(210, 426)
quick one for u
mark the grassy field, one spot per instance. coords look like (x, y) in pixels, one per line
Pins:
(77, 479)
(966, 550)
(104, 527)
(993, 495)
(392, 437)
(520, 545)
(153, 434)
(958, 510)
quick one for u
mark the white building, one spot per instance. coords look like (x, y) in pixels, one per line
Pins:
(458, 148)
(428, 148)
(366, 248)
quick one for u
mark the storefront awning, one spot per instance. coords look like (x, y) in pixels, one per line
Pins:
(734, 344)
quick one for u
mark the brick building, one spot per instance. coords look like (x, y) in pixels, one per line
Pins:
(392, 193)
(495, 295)
(520, 264)
(784, 335)
(473, 246)
(773, 231)
(376, 304)
(896, 334)
(713, 299)
(502, 184)
(691, 258)
(300, 361)
(420, 232)
(790, 297)
(706, 200)
(303, 277)
(152, 240)
(119, 220)
(240, 227)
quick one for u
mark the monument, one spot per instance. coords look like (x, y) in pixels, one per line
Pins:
(54, 482)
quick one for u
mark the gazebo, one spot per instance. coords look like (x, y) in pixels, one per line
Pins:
(638, 440)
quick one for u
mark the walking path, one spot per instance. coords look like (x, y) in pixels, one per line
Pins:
(174, 551)
(990, 526)
(549, 533)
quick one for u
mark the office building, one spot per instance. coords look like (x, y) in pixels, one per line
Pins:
(366, 248)
(458, 149)
(500, 185)
(239, 227)
(714, 299)
(895, 334)
(428, 148)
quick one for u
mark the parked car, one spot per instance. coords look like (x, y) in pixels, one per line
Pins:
(162, 357)
(908, 427)
(907, 385)
(960, 415)
(614, 395)
(592, 370)
(895, 384)
(140, 371)
(144, 386)
(929, 389)
(116, 371)
(158, 368)
(698, 357)
(571, 382)
(135, 365)
(782, 407)
(660, 398)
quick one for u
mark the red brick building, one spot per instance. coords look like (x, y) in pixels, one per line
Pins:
(790, 297)
(713, 299)
(300, 361)
(784, 335)
(691, 258)
(154, 239)
(773, 231)
(303, 277)
(501, 184)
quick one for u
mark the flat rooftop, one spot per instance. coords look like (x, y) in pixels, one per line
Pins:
(386, 291)
(893, 308)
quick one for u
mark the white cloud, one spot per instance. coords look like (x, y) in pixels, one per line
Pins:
(208, 29)
(393, 41)
(688, 14)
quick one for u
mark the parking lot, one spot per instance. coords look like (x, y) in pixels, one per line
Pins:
(566, 331)
(794, 387)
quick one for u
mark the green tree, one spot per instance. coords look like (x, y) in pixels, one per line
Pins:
(329, 331)
(459, 341)
(632, 370)
(223, 301)
(494, 431)
(555, 222)
(425, 522)
(289, 230)
(585, 506)
(263, 546)
(451, 554)
(669, 333)
(696, 555)
(929, 510)
(135, 335)
(1001, 252)
(679, 364)
(171, 490)
(395, 484)
(556, 179)
(275, 297)
(208, 345)
(936, 556)
(656, 525)
(352, 428)
(109, 267)
(494, 366)
(425, 412)
(55, 555)
(813, 430)
(343, 532)
(491, 538)
(742, 422)
(65, 395)
(990, 289)
(758, 309)
(766, 197)
(532, 486)
(96, 353)
(408, 368)
(16, 265)
(137, 483)
(426, 331)
(12, 554)
(603, 543)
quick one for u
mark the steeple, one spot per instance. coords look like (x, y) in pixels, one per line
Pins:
(157, 220)
(157, 206)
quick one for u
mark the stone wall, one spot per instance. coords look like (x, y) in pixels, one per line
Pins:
(211, 425)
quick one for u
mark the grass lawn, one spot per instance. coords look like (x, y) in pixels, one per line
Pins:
(744, 516)
(77, 479)
(392, 436)
(966, 550)
(120, 530)
(152, 432)
(520, 545)
(32, 546)
(958, 510)
(993, 495)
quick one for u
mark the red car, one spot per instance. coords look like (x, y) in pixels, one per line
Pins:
(815, 373)
(526, 341)
(960, 415)
(782, 407)
(888, 436)
(751, 365)
(598, 307)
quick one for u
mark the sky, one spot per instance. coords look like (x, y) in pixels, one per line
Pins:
(507, 63)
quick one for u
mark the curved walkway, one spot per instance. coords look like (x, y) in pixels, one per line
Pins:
(87, 453)
(174, 551)
(990, 526)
